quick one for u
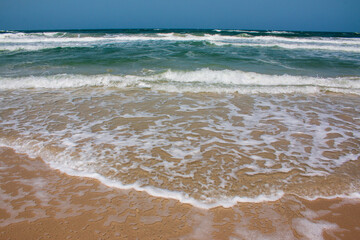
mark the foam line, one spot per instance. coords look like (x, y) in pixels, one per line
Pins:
(39, 41)
(181, 197)
(156, 192)
(203, 80)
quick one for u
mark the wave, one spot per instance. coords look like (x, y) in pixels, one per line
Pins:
(39, 41)
(294, 46)
(204, 203)
(279, 32)
(335, 44)
(236, 31)
(207, 203)
(202, 80)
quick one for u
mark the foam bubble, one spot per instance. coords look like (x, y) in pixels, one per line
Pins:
(339, 44)
(207, 150)
(280, 32)
(38, 41)
(203, 80)
(312, 230)
(153, 191)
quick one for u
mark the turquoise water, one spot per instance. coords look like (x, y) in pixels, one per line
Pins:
(209, 117)
(152, 52)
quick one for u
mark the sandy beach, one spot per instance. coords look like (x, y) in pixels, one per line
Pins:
(38, 202)
(179, 134)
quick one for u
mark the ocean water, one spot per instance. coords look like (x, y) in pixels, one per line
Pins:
(208, 117)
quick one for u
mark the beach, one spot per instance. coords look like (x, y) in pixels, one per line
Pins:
(179, 134)
(42, 203)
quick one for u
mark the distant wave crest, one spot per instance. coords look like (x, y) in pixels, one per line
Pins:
(37, 41)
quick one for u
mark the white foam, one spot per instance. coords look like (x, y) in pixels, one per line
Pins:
(38, 41)
(97, 141)
(353, 195)
(203, 80)
(280, 32)
(335, 44)
(293, 46)
(156, 192)
(312, 230)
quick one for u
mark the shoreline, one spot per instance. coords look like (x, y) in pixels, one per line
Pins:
(178, 196)
(43, 202)
(179, 134)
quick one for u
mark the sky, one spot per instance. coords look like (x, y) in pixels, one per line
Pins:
(303, 15)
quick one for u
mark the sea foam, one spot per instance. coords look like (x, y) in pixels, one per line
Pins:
(226, 202)
(39, 41)
(202, 80)
(207, 150)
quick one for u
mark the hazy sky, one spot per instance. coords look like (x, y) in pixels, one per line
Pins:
(313, 15)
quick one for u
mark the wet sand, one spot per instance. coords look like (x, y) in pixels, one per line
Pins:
(37, 202)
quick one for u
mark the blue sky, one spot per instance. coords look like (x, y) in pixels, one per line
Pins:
(307, 15)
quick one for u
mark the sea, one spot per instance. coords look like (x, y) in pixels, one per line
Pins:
(207, 117)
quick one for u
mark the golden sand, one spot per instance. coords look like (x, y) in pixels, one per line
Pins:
(37, 202)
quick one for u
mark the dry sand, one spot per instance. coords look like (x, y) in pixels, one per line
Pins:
(37, 202)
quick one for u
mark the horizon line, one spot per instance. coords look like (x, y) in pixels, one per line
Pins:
(145, 28)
